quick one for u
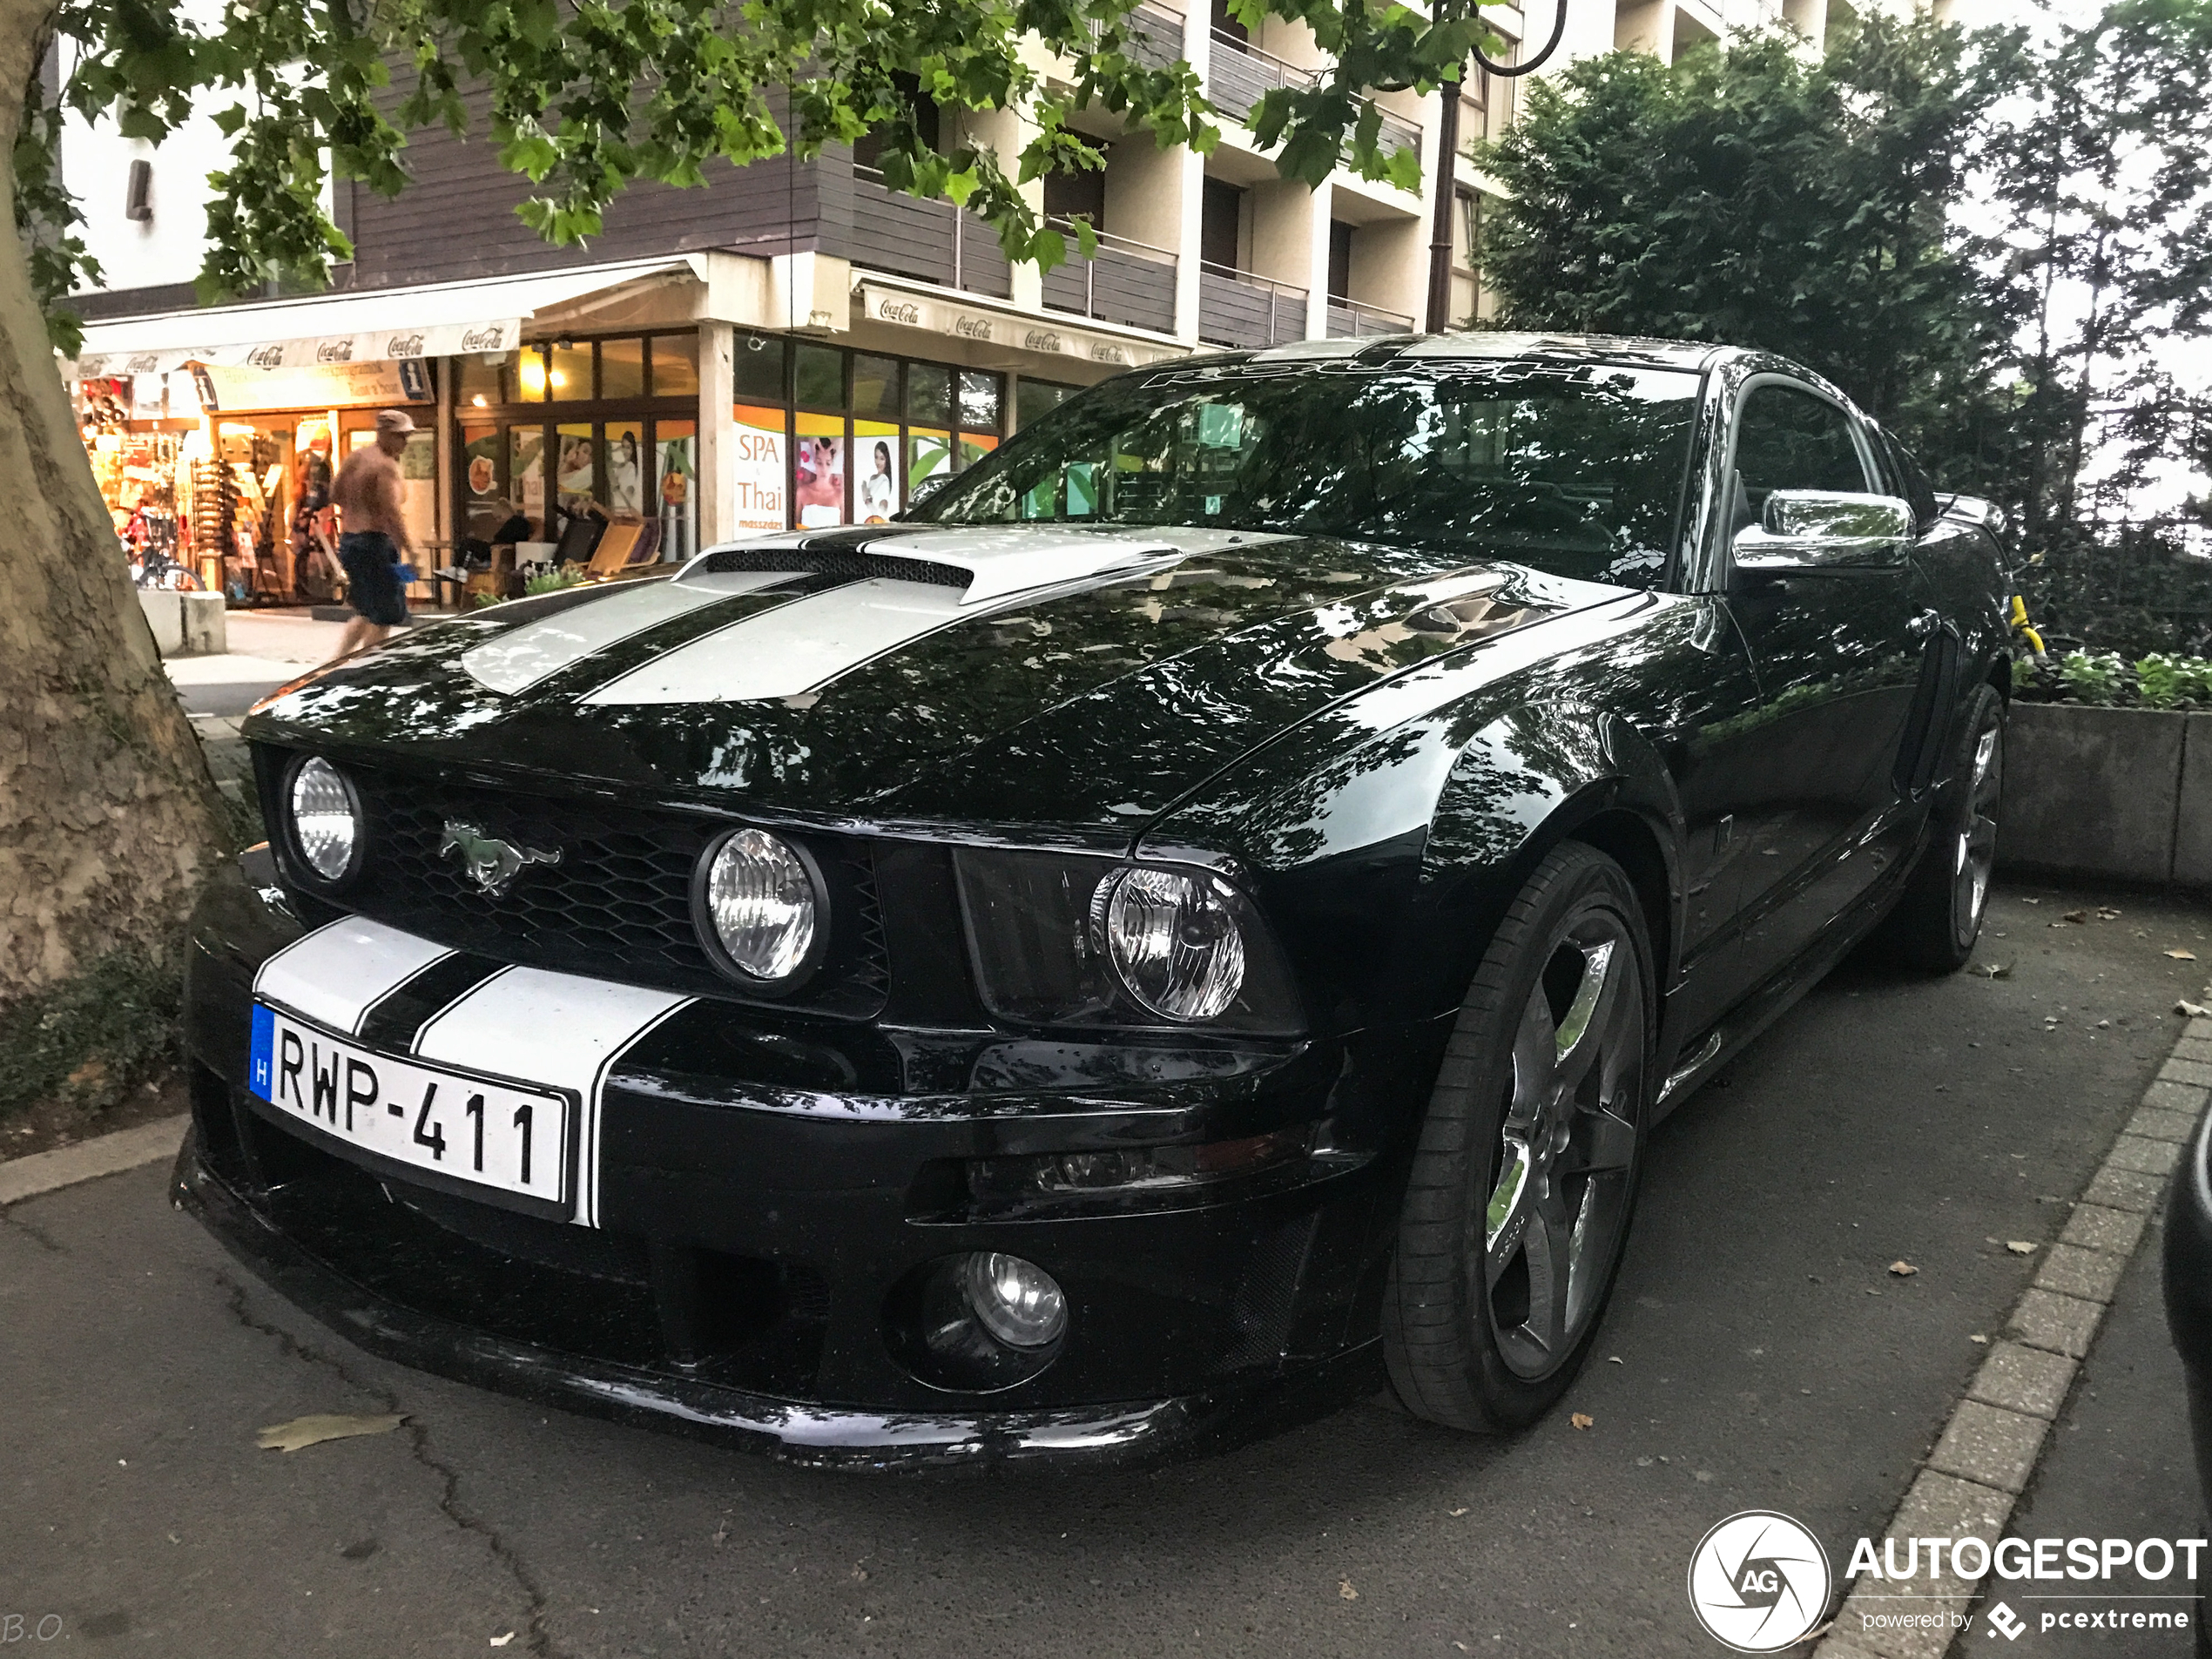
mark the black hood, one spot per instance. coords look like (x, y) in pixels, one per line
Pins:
(1049, 676)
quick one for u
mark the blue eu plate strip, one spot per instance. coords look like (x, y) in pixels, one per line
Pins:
(258, 1069)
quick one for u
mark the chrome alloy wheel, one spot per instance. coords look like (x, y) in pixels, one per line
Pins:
(1568, 1146)
(1974, 848)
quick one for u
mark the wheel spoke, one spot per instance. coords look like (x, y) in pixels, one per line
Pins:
(1506, 1215)
(1549, 1244)
(1586, 1028)
(1535, 1061)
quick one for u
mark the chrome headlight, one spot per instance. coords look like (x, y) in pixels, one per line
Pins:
(1076, 940)
(1174, 943)
(760, 905)
(326, 818)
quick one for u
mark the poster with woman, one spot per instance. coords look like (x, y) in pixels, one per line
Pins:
(625, 472)
(818, 488)
(875, 488)
(575, 478)
(526, 475)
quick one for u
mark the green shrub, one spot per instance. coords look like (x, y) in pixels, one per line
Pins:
(2093, 678)
(553, 581)
(90, 1041)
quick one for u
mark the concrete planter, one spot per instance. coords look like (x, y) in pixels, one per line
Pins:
(185, 624)
(2123, 793)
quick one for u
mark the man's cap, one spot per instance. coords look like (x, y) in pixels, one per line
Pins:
(394, 421)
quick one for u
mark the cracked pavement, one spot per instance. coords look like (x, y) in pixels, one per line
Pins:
(1767, 1360)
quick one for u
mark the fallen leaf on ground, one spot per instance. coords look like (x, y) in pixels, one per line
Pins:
(1991, 970)
(2182, 955)
(2074, 916)
(1978, 1336)
(1345, 1589)
(2106, 913)
(2020, 1247)
(2194, 1010)
(500, 1641)
(324, 1425)
(2031, 901)
(1582, 1420)
(1615, 1360)
(1455, 1512)
(1902, 1270)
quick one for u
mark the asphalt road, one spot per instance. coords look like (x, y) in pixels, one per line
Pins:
(1767, 1360)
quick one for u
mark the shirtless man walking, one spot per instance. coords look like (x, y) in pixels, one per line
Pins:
(373, 535)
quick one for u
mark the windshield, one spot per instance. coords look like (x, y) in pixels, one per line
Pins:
(1574, 469)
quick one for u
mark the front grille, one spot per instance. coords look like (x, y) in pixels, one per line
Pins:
(616, 904)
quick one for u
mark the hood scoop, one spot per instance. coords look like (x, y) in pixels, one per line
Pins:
(984, 563)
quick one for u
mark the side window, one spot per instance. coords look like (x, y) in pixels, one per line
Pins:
(1912, 482)
(1786, 439)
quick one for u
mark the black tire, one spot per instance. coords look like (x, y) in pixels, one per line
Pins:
(1470, 1282)
(1938, 917)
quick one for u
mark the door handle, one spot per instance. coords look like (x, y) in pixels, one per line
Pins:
(1924, 624)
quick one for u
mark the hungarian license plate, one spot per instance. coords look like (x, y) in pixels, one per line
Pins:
(475, 1131)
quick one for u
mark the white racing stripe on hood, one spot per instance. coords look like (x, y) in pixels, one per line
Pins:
(793, 648)
(519, 659)
(560, 1031)
(336, 975)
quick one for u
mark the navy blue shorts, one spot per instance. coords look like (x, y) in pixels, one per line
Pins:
(372, 577)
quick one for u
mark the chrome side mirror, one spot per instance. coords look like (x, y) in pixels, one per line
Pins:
(1801, 530)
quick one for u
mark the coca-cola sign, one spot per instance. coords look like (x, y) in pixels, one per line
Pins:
(269, 357)
(899, 310)
(972, 328)
(491, 337)
(403, 345)
(334, 351)
(1042, 339)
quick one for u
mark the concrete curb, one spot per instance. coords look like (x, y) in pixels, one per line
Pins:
(65, 1166)
(1987, 1452)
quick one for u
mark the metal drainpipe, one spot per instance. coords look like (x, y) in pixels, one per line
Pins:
(1440, 246)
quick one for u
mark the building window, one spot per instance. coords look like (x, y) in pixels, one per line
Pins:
(1466, 240)
(1221, 225)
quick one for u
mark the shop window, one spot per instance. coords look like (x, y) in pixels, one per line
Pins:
(676, 364)
(757, 370)
(818, 471)
(569, 376)
(875, 386)
(577, 477)
(676, 451)
(929, 395)
(982, 395)
(529, 374)
(526, 476)
(758, 469)
(820, 378)
(1034, 399)
(623, 446)
(875, 472)
(622, 367)
(929, 454)
(482, 382)
(483, 494)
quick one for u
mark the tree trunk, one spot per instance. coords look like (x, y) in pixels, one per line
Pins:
(108, 816)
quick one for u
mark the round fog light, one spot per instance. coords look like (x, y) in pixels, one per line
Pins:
(1017, 1301)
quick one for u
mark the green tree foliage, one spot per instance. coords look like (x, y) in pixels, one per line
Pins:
(1754, 198)
(2102, 167)
(586, 96)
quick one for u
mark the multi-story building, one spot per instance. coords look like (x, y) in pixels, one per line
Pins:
(793, 343)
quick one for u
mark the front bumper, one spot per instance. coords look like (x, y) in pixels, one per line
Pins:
(2187, 1283)
(743, 1282)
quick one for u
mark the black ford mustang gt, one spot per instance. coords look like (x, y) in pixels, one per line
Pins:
(1199, 919)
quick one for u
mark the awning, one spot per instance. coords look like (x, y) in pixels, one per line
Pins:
(965, 317)
(440, 319)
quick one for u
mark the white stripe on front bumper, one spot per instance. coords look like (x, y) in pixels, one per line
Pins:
(336, 975)
(555, 1029)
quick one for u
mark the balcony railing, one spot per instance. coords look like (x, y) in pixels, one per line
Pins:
(1130, 282)
(933, 241)
(1242, 74)
(1351, 320)
(1241, 308)
(1154, 34)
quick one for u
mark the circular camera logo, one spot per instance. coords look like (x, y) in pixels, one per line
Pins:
(1758, 1582)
